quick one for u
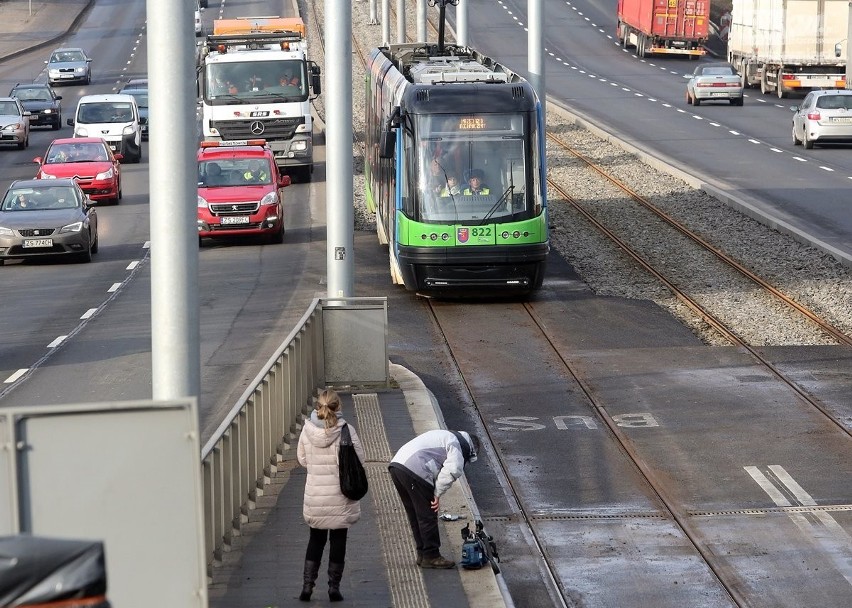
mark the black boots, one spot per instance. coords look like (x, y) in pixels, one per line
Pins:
(335, 573)
(310, 577)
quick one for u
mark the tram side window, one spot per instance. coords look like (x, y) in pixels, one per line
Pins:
(409, 198)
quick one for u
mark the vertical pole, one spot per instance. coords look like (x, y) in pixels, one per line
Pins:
(461, 23)
(400, 21)
(338, 146)
(421, 20)
(374, 20)
(385, 22)
(849, 47)
(175, 335)
(535, 50)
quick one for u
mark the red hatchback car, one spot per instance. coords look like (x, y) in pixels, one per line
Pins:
(238, 190)
(87, 160)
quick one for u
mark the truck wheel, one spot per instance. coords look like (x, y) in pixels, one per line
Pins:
(780, 88)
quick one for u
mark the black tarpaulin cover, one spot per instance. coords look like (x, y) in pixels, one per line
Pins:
(36, 570)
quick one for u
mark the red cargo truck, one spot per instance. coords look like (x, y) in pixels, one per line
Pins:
(664, 27)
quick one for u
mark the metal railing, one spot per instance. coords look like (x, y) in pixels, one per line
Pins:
(343, 334)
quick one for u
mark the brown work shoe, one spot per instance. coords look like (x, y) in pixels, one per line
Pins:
(439, 562)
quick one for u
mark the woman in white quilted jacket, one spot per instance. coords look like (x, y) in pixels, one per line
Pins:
(326, 510)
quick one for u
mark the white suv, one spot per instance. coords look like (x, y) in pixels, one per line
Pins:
(115, 118)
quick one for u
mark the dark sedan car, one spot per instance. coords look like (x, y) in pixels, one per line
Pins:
(43, 104)
(43, 218)
(139, 90)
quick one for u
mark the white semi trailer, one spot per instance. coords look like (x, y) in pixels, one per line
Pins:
(788, 46)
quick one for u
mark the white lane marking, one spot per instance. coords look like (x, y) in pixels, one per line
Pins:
(696, 117)
(56, 342)
(146, 245)
(132, 265)
(114, 287)
(776, 150)
(831, 536)
(89, 313)
(824, 168)
(734, 132)
(715, 124)
(776, 496)
(16, 375)
(754, 141)
(800, 159)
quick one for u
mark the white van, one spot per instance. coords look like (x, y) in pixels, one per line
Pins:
(115, 118)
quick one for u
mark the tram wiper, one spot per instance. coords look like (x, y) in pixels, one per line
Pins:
(509, 191)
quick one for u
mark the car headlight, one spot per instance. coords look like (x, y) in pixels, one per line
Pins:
(13, 127)
(48, 111)
(75, 227)
(128, 130)
(79, 70)
(81, 132)
(44, 175)
(202, 203)
(270, 199)
(299, 146)
(5, 231)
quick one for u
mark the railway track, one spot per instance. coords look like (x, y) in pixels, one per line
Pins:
(446, 316)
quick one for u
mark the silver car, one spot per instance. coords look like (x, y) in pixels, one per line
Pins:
(714, 82)
(43, 218)
(14, 123)
(823, 117)
(69, 65)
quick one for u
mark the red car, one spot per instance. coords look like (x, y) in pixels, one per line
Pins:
(89, 161)
(239, 190)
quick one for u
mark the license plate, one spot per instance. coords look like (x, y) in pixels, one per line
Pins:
(230, 220)
(719, 94)
(66, 75)
(259, 113)
(844, 120)
(35, 243)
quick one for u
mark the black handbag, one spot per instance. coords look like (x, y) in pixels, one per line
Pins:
(353, 477)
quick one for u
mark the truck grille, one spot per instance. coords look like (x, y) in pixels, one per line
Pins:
(271, 128)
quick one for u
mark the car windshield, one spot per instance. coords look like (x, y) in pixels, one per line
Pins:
(65, 56)
(105, 112)
(234, 172)
(38, 199)
(8, 108)
(140, 95)
(834, 102)
(76, 153)
(32, 94)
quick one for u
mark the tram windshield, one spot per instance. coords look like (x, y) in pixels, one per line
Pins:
(471, 168)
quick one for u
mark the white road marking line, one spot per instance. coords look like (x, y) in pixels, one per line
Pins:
(824, 168)
(777, 497)
(132, 265)
(146, 245)
(114, 287)
(89, 313)
(754, 141)
(715, 124)
(800, 159)
(56, 342)
(776, 150)
(734, 132)
(16, 375)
